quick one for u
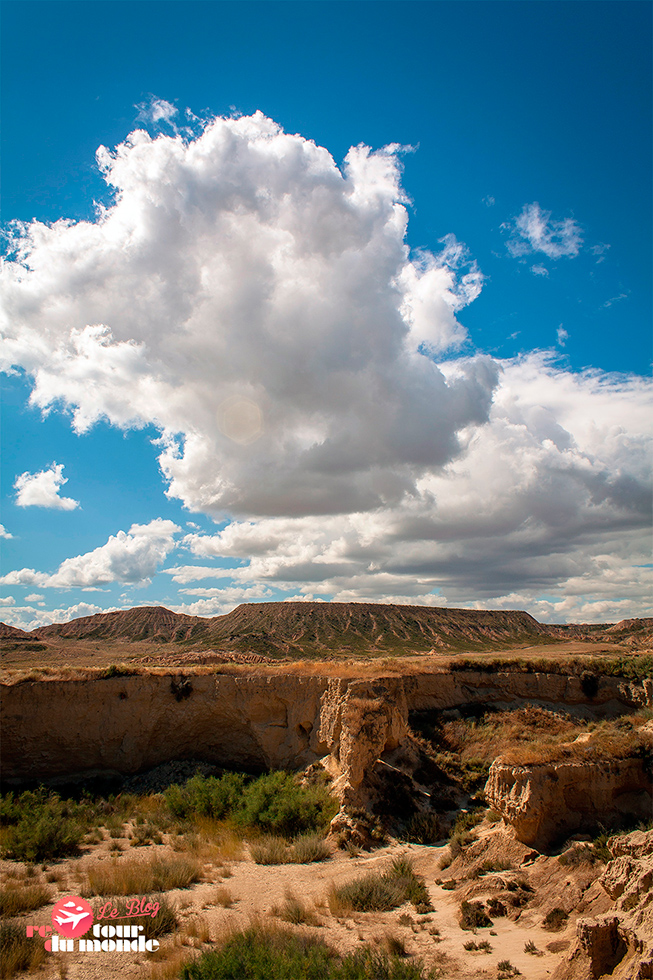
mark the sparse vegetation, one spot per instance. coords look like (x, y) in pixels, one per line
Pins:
(485, 946)
(277, 850)
(17, 952)
(523, 736)
(141, 877)
(473, 916)
(505, 970)
(16, 898)
(295, 911)
(555, 919)
(380, 892)
(423, 828)
(264, 952)
(634, 666)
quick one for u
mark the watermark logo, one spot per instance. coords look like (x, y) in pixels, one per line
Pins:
(72, 917)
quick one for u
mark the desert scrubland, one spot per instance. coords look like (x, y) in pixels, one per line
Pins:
(360, 792)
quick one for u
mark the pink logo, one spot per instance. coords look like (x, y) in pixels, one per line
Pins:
(72, 916)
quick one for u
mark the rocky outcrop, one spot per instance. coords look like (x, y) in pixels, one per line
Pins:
(608, 696)
(618, 943)
(547, 802)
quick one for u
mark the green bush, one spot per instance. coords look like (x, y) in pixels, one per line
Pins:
(278, 804)
(207, 796)
(275, 802)
(42, 826)
(277, 954)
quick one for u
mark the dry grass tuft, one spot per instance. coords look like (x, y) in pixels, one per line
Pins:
(16, 898)
(294, 911)
(197, 928)
(136, 877)
(223, 897)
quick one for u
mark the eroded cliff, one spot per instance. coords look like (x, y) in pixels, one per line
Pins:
(259, 719)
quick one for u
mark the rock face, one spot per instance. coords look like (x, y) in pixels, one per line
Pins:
(256, 718)
(547, 802)
(619, 943)
(265, 718)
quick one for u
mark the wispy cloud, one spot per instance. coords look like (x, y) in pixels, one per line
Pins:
(534, 230)
(42, 489)
(562, 335)
(155, 111)
(614, 299)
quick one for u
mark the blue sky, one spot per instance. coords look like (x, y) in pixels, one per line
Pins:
(435, 358)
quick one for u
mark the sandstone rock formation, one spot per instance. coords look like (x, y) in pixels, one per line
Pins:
(618, 943)
(548, 802)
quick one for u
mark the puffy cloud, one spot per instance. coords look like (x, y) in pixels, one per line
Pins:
(217, 602)
(260, 306)
(7, 601)
(28, 618)
(42, 489)
(550, 498)
(132, 556)
(4, 533)
(533, 230)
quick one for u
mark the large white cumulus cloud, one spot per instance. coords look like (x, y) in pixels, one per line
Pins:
(260, 306)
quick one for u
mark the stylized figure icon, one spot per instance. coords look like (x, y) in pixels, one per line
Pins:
(72, 916)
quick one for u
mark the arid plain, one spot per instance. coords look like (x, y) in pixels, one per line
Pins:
(485, 776)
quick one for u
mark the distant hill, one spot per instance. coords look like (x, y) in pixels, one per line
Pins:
(310, 628)
(13, 633)
(320, 628)
(142, 623)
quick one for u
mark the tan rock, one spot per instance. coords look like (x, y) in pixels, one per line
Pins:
(619, 943)
(547, 802)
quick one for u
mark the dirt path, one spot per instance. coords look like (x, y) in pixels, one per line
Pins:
(256, 891)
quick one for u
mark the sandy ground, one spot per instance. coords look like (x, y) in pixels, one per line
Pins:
(436, 937)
